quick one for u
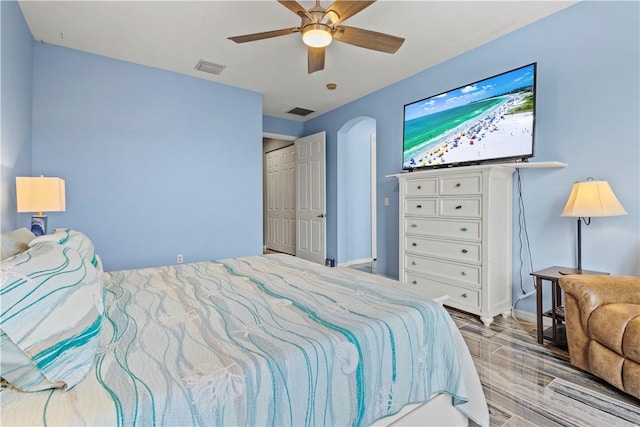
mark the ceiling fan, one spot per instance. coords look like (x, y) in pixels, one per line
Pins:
(320, 26)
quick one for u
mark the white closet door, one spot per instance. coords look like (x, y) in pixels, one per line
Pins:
(280, 200)
(273, 212)
(288, 193)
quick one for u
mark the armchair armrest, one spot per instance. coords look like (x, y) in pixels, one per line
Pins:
(592, 291)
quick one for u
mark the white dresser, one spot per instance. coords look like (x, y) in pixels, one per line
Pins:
(455, 236)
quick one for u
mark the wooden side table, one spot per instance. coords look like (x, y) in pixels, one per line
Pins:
(556, 333)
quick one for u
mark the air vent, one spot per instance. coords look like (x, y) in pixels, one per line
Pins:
(300, 111)
(209, 67)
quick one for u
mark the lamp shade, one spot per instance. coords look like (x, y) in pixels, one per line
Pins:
(592, 198)
(39, 194)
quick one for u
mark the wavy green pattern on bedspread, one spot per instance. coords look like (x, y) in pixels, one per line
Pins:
(265, 340)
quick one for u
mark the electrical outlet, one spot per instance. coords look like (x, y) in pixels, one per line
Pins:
(179, 259)
(386, 201)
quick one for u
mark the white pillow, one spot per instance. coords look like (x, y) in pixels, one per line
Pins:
(14, 242)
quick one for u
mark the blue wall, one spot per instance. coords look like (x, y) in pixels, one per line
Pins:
(16, 93)
(276, 125)
(587, 117)
(155, 163)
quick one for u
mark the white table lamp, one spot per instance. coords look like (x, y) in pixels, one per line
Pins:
(40, 194)
(588, 199)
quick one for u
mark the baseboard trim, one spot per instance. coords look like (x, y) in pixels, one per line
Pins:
(527, 316)
(355, 261)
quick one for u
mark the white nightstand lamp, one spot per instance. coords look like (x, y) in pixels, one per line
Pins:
(591, 198)
(40, 194)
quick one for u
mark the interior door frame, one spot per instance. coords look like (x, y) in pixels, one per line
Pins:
(293, 139)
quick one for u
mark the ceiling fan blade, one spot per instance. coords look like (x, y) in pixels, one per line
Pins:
(347, 8)
(315, 60)
(264, 35)
(295, 7)
(368, 39)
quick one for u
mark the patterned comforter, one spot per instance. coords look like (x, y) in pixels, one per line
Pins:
(264, 340)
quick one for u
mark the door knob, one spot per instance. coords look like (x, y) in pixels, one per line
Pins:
(321, 215)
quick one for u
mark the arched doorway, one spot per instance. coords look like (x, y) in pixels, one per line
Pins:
(356, 192)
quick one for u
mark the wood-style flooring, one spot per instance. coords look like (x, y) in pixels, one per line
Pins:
(526, 383)
(529, 384)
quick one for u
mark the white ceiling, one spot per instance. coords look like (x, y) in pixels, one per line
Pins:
(175, 35)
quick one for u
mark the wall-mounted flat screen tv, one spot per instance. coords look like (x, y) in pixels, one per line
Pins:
(489, 120)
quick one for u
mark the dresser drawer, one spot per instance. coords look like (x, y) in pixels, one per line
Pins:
(460, 229)
(421, 187)
(458, 272)
(457, 251)
(463, 184)
(468, 207)
(423, 207)
(459, 297)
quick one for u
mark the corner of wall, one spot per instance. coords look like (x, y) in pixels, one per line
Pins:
(17, 105)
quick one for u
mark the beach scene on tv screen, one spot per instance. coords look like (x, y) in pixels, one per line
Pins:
(490, 119)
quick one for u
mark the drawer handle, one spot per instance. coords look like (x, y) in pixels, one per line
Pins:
(414, 225)
(419, 187)
(464, 229)
(463, 295)
(419, 206)
(415, 282)
(413, 263)
(414, 244)
(459, 207)
(458, 184)
(464, 251)
(464, 273)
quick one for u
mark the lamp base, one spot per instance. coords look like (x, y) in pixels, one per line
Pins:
(39, 225)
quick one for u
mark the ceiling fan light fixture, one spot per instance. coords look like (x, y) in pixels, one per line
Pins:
(316, 35)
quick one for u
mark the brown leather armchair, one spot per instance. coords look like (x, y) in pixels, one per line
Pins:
(603, 327)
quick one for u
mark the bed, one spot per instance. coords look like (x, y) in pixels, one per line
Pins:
(262, 340)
